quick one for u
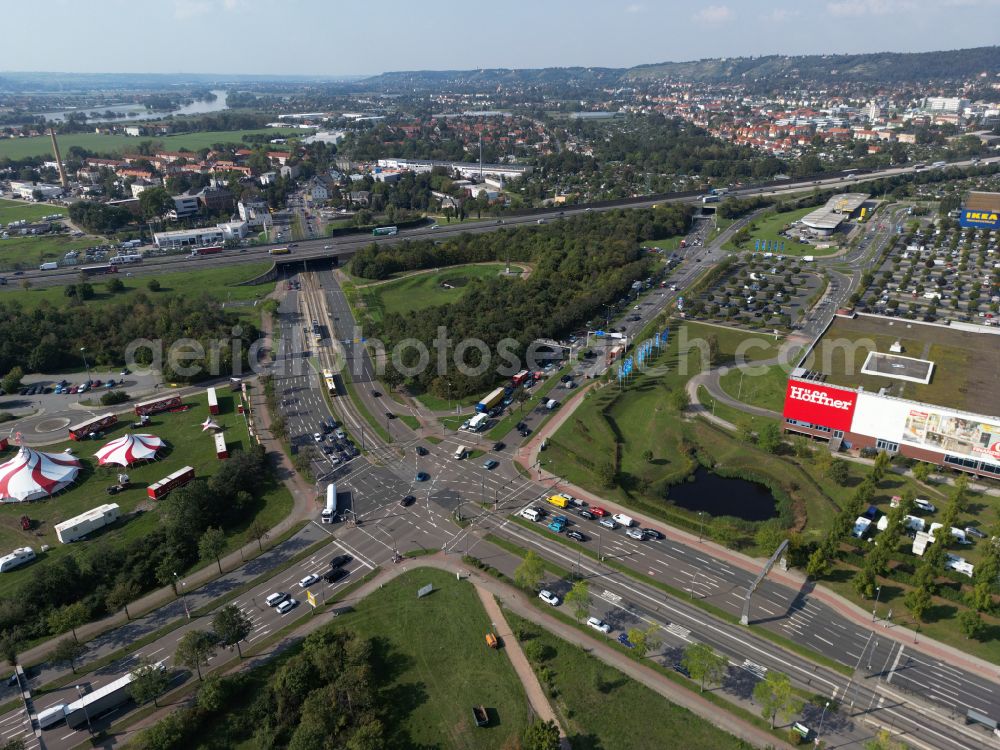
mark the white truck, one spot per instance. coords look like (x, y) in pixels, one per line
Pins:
(50, 266)
(330, 510)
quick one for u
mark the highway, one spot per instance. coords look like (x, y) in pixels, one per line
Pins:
(344, 247)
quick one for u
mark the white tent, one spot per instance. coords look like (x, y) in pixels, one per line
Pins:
(32, 474)
(129, 449)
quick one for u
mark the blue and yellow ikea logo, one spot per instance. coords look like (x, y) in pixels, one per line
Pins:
(981, 219)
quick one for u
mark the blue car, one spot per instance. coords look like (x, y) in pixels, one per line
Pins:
(422, 476)
(623, 639)
(558, 523)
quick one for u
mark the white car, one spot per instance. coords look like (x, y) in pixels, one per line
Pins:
(318, 437)
(598, 624)
(308, 581)
(548, 597)
(286, 606)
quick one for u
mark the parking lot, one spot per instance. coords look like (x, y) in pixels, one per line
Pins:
(939, 277)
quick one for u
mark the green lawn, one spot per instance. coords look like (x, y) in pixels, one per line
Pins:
(28, 253)
(187, 445)
(600, 707)
(438, 665)
(215, 283)
(20, 148)
(767, 228)
(17, 210)
(766, 390)
(667, 244)
(422, 290)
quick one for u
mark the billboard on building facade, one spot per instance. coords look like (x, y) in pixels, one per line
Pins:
(927, 427)
(824, 405)
(979, 219)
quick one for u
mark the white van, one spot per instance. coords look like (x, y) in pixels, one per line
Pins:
(460, 452)
(531, 514)
(624, 520)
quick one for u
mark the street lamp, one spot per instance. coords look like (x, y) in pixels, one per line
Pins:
(79, 692)
(878, 593)
(701, 528)
(187, 612)
(822, 717)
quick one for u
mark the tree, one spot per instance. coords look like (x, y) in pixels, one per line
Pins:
(884, 741)
(69, 617)
(166, 571)
(864, 582)
(838, 471)
(10, 645)
(195, 649)
(155, 203)
(917, 600)
(68, 651)
(212, 544)
(703, 664)
(257, 531)
(17, 743)
(25, 284)
(149, 681)
(643, 640)
(12, 380)
(232, 626)
(971, 623)
(121, 594)
(769, 437)
(578, 598)
(114, 285)
(153, 285)
(541, 735)
(647, 456)
(774, 694)
(529, 573)
(818, 563)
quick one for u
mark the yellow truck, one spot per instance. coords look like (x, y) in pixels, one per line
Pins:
(560, 501)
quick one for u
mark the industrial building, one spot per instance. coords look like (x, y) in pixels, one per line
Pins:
(915, 389)
(463, 168)
(981, 211)
(827, 219)
(201, 237)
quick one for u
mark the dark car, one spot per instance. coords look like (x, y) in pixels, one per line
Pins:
(623, 639)
(421, 450)
(499, 446)
(407, 501)
(422, 476)
(377, 394)
(521, 426)
(586, 514)
(574, 534)
(525, 432)
(336, 574)
(390, 415)
(340, 560)
(652, 534)
(973, 531)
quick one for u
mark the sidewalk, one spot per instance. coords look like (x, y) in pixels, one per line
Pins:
(529, 680)
(513, 599)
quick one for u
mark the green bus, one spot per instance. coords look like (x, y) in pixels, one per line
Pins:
(384, 231)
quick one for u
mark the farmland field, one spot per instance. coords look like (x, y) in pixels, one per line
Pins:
(17, 210)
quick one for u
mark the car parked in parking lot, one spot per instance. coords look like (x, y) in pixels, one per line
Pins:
(623, 639)
(276, 598)
(340, 561)
(598, 624)
(422, 476)
(335, 574)
(308, 581)
(407, 501)
(421, 450)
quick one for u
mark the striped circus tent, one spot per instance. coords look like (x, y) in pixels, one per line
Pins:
(129, 449)
(32, 474)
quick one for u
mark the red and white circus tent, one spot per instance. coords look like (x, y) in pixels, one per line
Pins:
(129, 449)
(32, 474)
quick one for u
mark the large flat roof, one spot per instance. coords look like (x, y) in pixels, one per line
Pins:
(978, 201)
(965, 362)
(838, 208)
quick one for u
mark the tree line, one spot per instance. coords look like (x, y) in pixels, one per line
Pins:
(49, 338)
(577, 267)
(103, 577)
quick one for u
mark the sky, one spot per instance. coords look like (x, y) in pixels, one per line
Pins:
(352, 37)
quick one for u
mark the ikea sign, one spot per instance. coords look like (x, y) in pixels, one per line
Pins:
(980, 219)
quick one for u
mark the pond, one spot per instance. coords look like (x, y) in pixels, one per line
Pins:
(720, 496)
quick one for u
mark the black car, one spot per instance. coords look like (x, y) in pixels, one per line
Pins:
(525, 433)
(653, 534)
(521, 426)
(499, 446)
(421, 450)
(586, 514)
(390, 415)
(574, 534)
(328, 449)
(377, 394)
(407, 501)
(336, 574)
(340, 561)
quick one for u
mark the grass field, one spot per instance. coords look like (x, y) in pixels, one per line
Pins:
(766, 391)
(602, 708)
(437, 664)
(20, 148)
(28, 253)
(187, 445)
(215, 283)
(667, 244)
(422, 290)
(767, 228)
(17, 210)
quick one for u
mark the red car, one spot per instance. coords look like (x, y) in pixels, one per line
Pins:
(598, 511)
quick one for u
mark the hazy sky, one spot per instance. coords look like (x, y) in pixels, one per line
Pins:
(341, 37)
